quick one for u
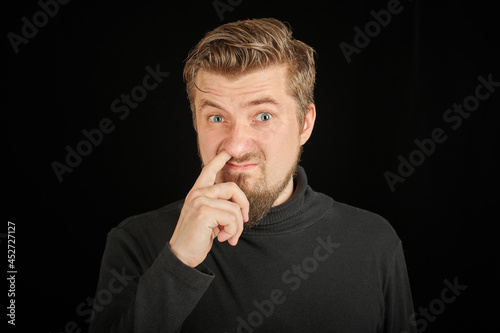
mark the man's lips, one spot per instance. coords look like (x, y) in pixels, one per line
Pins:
(241, 166)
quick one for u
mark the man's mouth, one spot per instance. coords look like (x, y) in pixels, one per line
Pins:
(241, 166)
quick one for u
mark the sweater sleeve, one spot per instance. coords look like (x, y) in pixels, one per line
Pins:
(134, 295)
(398, 299)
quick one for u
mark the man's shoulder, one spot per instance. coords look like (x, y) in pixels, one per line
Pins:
(362, 224)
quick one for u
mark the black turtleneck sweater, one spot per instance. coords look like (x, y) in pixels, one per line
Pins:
(311, 265)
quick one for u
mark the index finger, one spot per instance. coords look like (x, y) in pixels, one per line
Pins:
(209, 172)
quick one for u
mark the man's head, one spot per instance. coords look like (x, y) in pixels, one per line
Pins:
(250, 87)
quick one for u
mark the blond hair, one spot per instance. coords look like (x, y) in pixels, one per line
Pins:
(240, 47)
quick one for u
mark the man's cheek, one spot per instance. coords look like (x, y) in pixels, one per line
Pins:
(267, 136)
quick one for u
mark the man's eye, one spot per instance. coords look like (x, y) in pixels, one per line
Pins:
(216, 119)
(264, 116)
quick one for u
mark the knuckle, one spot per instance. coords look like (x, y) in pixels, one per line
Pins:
(236, 210)
(234, 186)
(192, 195)
(195, 192)
(234, 218)
(200, 201)
(203, 210)
(246, 203)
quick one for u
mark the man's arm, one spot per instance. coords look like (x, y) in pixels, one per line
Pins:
(134, 298)
(161, 296)
(398, 299)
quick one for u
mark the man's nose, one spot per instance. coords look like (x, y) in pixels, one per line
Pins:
(239, 140)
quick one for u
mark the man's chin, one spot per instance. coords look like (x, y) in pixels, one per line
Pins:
(245, 184)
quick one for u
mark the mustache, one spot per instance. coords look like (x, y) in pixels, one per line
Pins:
(252, 157)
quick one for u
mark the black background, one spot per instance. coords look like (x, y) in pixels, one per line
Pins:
(369, 112)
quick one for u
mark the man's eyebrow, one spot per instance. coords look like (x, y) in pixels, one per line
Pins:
(262, 100)
(206, 103)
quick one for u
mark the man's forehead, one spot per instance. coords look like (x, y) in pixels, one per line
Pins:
(205, 102)
(262, 81)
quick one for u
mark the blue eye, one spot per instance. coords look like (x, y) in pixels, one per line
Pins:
(216, 119)
(264, 116)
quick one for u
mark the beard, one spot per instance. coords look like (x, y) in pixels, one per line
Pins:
(261, 195)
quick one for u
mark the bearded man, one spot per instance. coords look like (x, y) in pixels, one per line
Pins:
(253, 247)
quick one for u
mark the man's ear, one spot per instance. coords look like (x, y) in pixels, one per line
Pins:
(309, 119)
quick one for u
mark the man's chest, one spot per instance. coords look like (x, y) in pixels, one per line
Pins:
(307, 289)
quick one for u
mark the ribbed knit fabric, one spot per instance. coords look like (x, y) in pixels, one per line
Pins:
(311, 265)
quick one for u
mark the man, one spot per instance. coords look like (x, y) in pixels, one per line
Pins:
(252, 248)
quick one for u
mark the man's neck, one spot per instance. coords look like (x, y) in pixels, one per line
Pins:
(285, 194)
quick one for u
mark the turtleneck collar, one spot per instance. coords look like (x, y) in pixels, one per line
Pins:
(303, 208)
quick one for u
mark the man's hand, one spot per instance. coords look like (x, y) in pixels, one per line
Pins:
(210, 210)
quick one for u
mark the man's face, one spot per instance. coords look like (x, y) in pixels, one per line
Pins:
(254, 119)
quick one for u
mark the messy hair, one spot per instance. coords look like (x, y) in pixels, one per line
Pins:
(237, 48)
